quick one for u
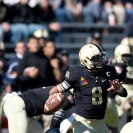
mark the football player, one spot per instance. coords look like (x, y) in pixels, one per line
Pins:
(124, 67)
(91, 83)
(20, 109)
(122, 59)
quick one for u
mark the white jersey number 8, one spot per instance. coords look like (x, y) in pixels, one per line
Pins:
(97, 96)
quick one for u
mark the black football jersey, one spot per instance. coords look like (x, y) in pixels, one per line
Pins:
(90, 90)
(35, 99)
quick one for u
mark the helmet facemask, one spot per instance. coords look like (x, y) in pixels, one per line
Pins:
(126, 58)
(98, 61)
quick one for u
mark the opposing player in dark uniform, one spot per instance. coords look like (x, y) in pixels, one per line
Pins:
(19, 109)
(91, 85)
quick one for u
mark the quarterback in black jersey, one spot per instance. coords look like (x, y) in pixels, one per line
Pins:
(91, 82)
(20, 109)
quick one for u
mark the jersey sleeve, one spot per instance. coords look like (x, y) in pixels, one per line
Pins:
(71, 76)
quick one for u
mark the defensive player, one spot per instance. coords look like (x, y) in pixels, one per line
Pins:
(20, 109)
(91, 83)
(122, 55)
(124, 67)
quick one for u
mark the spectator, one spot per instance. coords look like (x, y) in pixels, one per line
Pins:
(34, 69)
(71, 12)
(57, 4)
(129, 11)
(11, 75)
(21, 15)
(56, 63)
(112, 19)
(128, 29)
(124, 1)
(4, 19)
(107, 9)
(119, 11)
(64, 56)
(3, 12)
(44, 12)
(91, 15)
(18, 15)
(45, 19)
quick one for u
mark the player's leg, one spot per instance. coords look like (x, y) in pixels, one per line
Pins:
(14, 109)
(111, 116)
(46, 121)
(100, 126)
(81, 125)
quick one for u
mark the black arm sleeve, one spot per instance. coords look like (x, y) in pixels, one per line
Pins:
(58, 115)
(122, 91)
(57, 118)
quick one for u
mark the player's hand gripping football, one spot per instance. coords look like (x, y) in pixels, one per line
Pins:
(53, 103)
(115, 84)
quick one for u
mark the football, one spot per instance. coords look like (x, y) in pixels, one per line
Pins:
(53, 103)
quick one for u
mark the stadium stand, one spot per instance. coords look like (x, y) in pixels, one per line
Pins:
(74, 36)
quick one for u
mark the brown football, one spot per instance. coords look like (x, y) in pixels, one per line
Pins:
(53, 103)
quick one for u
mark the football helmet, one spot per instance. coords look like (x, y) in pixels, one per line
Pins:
(122, 53)
(127, 41)
(92, 56)
(41, 33)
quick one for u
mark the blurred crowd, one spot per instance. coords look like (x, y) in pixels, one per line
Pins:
(21, 18)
